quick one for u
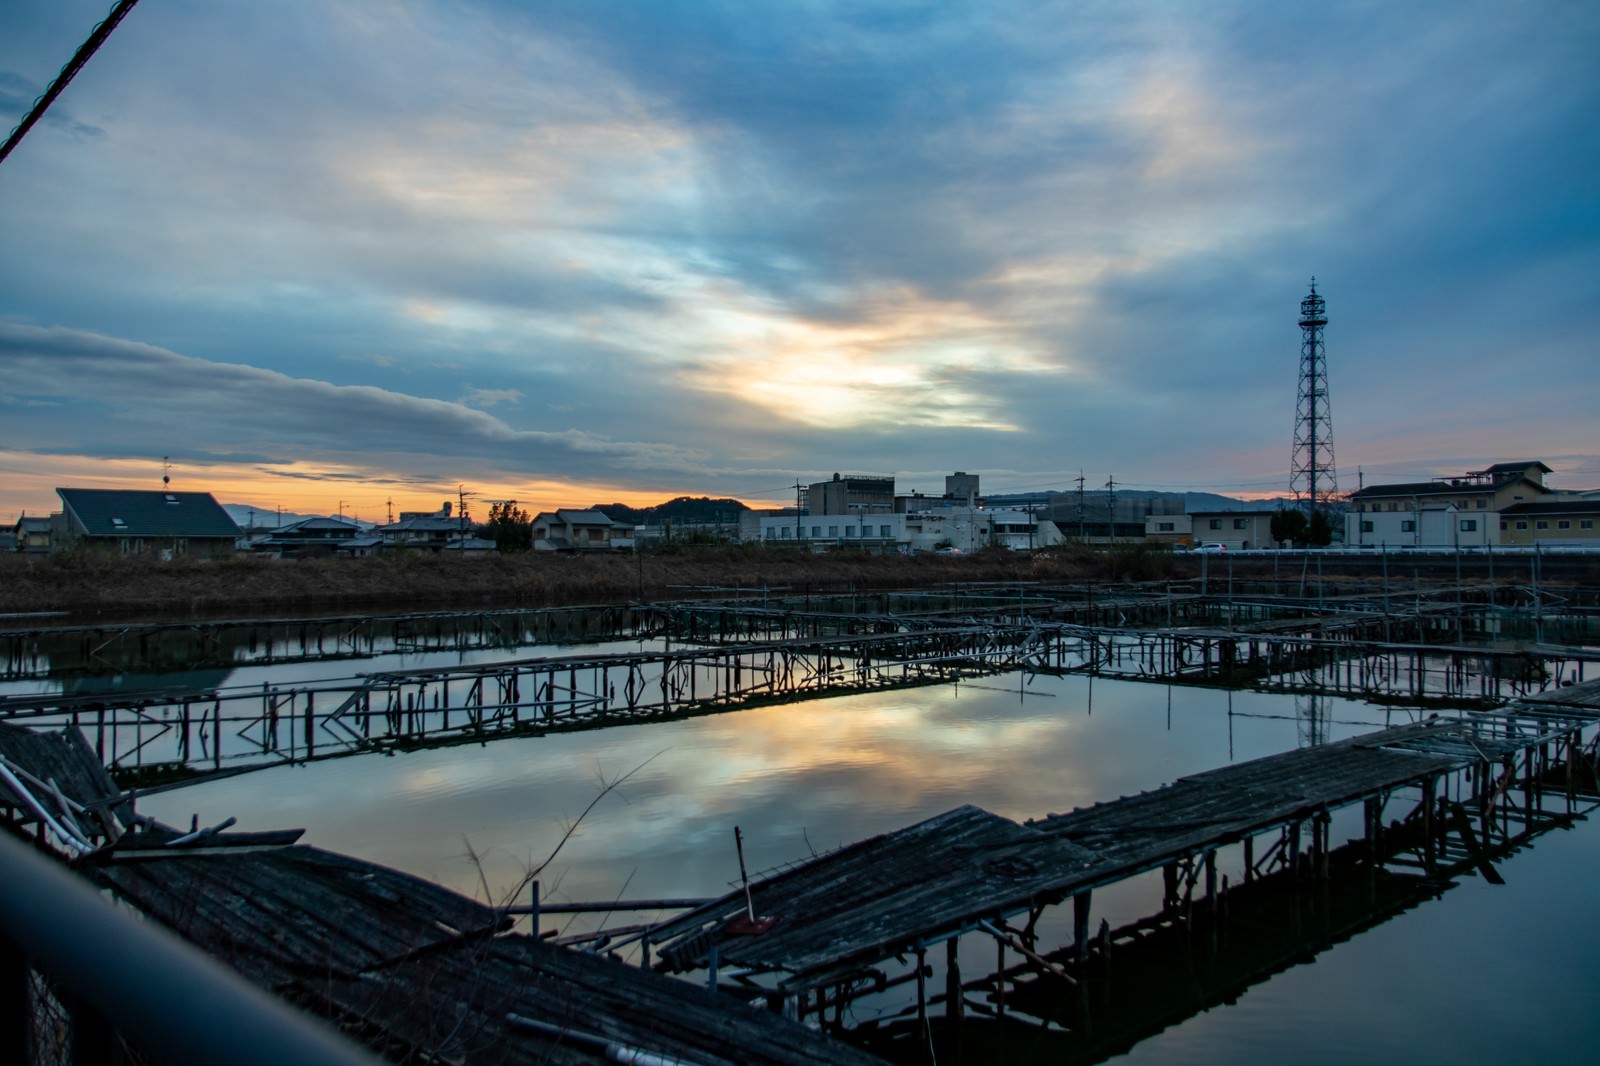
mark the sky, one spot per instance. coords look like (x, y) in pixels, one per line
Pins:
(352, 255)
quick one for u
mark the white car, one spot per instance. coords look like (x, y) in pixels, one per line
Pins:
(1210, 549)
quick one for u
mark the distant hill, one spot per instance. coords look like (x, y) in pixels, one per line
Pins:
(693, 509)
(1130, 502)
(267, 517)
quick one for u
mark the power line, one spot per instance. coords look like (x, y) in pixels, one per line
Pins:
(68, 72)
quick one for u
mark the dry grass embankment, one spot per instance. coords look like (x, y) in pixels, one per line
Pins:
(106, 585)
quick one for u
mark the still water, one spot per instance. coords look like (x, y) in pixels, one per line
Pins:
(1484, 973)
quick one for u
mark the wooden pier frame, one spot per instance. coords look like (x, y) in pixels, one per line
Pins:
(844, 918)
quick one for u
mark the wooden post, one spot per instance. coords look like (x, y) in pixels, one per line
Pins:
(1292, 853)
(922, 989)
(1000, 977)
(533, 908)
(1080, 925)
(1249, 859)
(954, 1002)
(311, 724)
(1324, 832)
(1427, 822)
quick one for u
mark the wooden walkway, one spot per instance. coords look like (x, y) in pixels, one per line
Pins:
(835, 918)
(178, 734)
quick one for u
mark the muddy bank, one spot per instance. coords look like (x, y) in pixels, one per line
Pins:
(111, 586)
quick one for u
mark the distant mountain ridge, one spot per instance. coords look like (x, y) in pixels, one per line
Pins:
(1143, 501)
(248, 516)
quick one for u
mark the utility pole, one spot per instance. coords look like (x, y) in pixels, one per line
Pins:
(461, 506)
(1082, 533)
(1111, 510)
(389, 503)
(797, 512)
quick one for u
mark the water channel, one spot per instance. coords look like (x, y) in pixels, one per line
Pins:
(1481, 973)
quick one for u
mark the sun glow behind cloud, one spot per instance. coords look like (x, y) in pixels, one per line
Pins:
(906, 361)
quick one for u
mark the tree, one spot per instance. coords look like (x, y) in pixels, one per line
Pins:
(1320, 531)
(509, 526)
(1290, 525)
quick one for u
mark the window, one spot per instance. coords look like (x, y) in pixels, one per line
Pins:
(1216, 523)
(1408, 525)
(117, 523)
(816, 531)
(1164, 527)
(772, 534)
(849, 531)
(1522, 523)
(1503, 526)
(1239, 523)
(1585, 523)
(787, 532)
(1541, 524)
(885, 531)
(1482, 504)
(833, 531)
(1469, 525)
(1366, 527)
(1564, 524)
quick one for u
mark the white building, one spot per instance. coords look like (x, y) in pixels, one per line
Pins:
(1439, 526)
(964, 529)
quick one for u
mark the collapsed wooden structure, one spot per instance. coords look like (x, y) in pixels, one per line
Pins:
(417, 972)
(845, 926)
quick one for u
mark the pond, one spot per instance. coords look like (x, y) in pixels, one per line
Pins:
(1482, 972)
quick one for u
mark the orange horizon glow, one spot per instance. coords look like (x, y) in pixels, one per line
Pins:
(32, 491)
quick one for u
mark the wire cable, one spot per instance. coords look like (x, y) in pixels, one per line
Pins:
(68, 72)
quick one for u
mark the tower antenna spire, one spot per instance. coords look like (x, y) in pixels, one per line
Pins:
(1312, 478)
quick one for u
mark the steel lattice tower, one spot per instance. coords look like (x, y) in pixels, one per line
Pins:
(1312, 478)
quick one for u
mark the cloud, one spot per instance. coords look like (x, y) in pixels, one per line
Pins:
(18, 96)
(132, 395)
(490, 397)
(699, 248)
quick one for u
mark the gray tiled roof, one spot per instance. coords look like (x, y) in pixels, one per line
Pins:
(1571, 505)
(96, 513)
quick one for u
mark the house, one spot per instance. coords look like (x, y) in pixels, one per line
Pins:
(136, 522)
(1570, 521)
(1172, 529)
(33, 535)
(425, 530)
(1237, 530)
(565, 529)
(1445, 512)
(316, 537)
